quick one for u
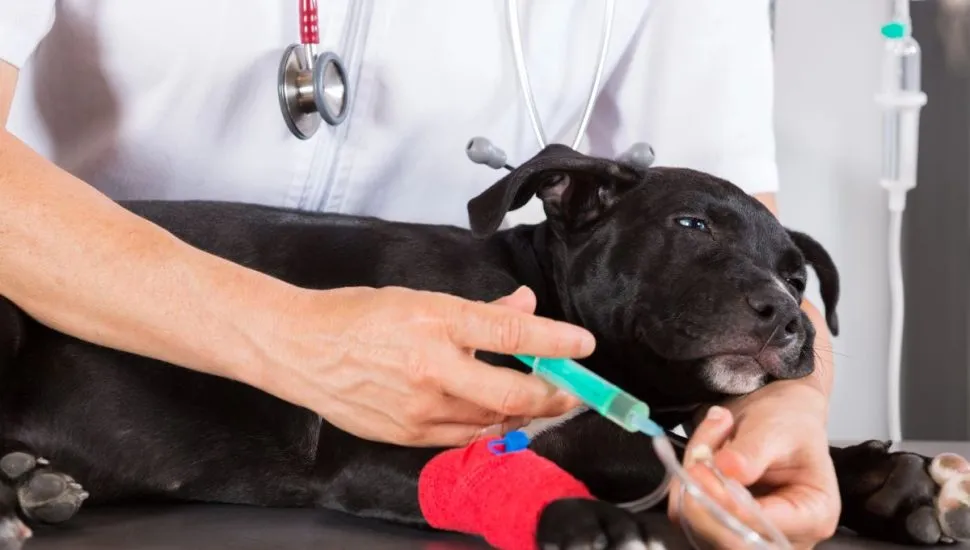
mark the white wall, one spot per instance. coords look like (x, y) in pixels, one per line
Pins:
(828, 66)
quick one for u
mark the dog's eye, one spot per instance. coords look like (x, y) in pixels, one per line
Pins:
(797, 284)
(692, 223)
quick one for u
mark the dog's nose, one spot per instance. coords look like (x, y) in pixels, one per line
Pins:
(777, 315)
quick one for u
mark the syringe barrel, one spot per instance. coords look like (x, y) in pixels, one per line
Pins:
(595, 391)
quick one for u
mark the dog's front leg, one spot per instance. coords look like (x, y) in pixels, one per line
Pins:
(616, 466)
(472, 490)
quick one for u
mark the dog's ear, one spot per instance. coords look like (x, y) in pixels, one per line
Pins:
(574, 188)
(828, 276)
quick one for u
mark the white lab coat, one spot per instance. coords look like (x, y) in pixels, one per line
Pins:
(177, 98)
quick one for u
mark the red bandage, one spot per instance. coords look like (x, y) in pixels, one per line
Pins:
(498, 497)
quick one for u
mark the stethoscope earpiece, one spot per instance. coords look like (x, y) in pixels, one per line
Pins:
(309, 84)
(482, 151)
(640, 155)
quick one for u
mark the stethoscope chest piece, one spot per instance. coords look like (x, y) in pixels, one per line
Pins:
(310, 86)
(311, 89)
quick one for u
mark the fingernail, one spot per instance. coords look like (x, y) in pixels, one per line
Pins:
(716, 413)
(562, 395)
(584, 340)
(489, 431)
(700, 453)
(568, 400)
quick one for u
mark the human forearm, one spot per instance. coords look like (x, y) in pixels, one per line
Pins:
(78, 262)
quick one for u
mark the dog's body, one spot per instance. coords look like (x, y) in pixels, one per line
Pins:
(691, 287)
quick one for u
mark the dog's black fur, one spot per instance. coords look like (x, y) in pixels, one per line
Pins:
(691, 287)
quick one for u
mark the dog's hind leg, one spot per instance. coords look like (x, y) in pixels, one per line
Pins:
(13, 531)
(903, 497)
(43, 494)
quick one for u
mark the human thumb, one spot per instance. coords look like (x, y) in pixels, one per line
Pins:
(523, 299)
(747, 456)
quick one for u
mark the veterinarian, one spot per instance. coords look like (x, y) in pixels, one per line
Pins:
(177, 100)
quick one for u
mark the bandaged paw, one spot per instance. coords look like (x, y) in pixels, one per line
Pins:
(496, 495)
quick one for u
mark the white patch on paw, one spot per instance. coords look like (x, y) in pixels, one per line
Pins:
(12, 529)
(946, 466)
(953, 494)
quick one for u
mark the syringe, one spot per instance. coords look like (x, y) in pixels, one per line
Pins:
(599, 394)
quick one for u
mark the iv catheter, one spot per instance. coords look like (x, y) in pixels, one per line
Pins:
(901, 100)
(633, 415)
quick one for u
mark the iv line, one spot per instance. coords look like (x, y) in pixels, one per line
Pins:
(633, 415)
(901, 100)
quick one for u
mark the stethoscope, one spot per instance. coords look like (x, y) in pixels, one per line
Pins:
(311, 84)
(482, 151)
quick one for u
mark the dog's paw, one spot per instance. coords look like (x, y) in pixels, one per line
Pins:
(574, 524)
(43, 494)
(904, 497)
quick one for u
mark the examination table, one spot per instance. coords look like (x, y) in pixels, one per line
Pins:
(206, 527)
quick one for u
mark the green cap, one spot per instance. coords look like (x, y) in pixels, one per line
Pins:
(894, 30)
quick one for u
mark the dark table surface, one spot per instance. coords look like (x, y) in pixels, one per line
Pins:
(241, 528)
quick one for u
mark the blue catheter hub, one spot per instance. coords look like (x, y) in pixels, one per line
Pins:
(512, 442)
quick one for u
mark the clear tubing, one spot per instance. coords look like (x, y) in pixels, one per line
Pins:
(897, 304)
(775, 539)
(901, 11)
(651, 499)
(901, 99)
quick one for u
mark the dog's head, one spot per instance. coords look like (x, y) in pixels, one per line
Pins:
(691, 286)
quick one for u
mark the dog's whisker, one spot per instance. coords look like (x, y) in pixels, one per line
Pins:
(769, 339)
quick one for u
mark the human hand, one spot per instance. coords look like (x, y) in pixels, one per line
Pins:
(774, 442)
(397, 365)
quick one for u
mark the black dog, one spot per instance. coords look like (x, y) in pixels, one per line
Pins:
(691, 287)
